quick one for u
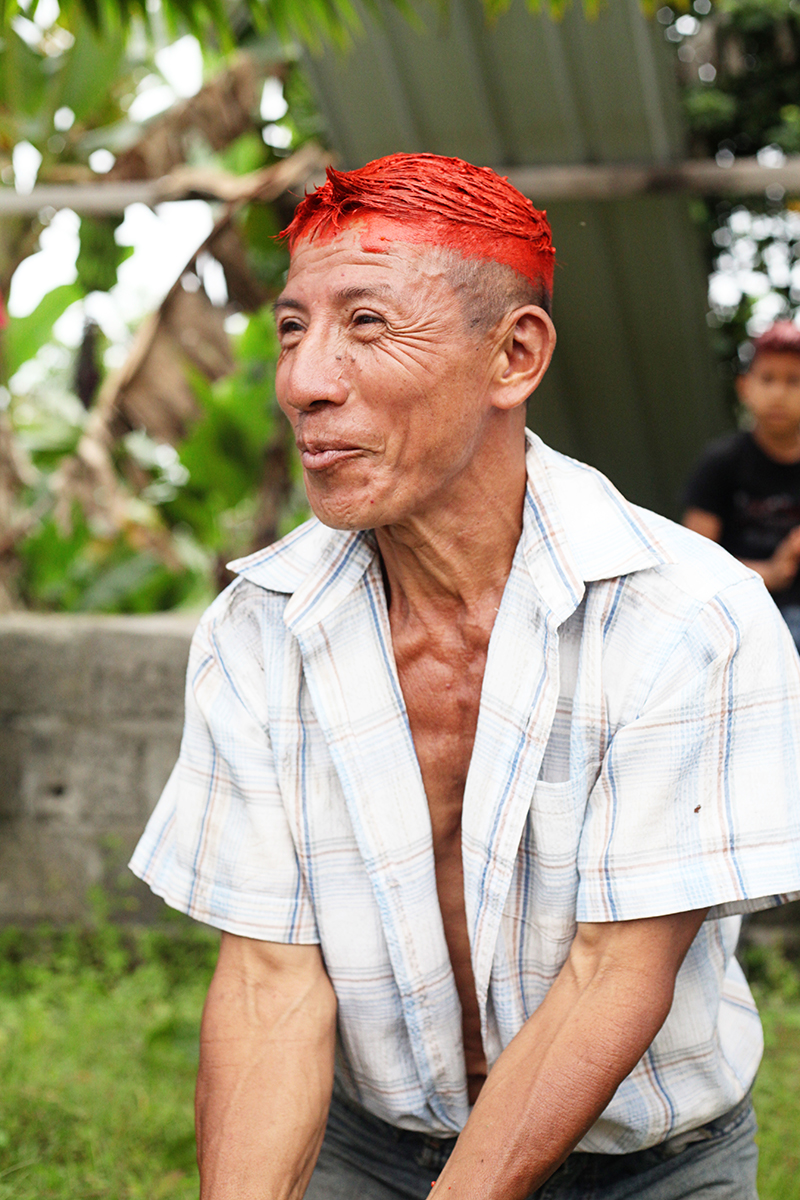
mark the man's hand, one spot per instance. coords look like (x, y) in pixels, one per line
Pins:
(266, 1071)
(554, 1079)
(779, 571)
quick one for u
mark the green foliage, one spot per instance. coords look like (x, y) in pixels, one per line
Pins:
(23, 87)
(761, 240)
(709, 109)
(224, 452)
(775, 1098)
(88, 76)
(201, 497)
(77, 570)
(186, 515)
(787, 133)
(110, 17)
(772, 976)
(752, 102)
(756, 15)
(25, 336)
(757, 56)
(312, 22)
(99, 255)
(104, 953)
(36, 81)
(268, 259)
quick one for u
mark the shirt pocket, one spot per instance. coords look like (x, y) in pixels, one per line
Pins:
(547, 878)
(556, 820)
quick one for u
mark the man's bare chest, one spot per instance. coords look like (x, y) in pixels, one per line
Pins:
(442, 695)
(442, 692)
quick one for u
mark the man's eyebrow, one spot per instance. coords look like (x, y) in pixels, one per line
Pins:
(345, 296)
(286, 302)
(376, 291)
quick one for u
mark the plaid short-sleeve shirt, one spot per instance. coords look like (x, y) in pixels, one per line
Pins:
(636, 754)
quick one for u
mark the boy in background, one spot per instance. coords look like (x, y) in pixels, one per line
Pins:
(745, 490)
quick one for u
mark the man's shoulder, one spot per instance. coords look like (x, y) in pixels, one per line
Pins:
(610, 537)
(606, 531)
(697, 567)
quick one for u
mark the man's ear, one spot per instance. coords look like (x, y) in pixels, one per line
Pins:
(527, 340)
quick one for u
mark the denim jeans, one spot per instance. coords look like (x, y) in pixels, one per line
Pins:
(363, 1158)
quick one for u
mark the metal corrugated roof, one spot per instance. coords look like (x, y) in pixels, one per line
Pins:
(524, 89)
(633, 388)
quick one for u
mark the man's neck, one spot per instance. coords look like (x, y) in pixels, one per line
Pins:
(453, 562)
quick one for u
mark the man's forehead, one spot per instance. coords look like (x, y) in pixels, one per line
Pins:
(355, 264)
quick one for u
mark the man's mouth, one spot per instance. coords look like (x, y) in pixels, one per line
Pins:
(320, 456)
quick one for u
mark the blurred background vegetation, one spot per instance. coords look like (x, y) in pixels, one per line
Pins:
(140, 445)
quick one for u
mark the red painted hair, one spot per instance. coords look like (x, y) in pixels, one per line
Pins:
(782, 338)
(442, 202)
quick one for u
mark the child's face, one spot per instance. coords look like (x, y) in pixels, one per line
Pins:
(771, 391)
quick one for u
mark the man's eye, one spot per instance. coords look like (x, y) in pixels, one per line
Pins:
(367, 318)
(289, 326)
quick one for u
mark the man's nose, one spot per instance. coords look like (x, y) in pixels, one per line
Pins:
(315, 372)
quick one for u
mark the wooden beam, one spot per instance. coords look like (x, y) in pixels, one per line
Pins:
(111, 197)
(575, 181)
(612, 181)
(93, 199)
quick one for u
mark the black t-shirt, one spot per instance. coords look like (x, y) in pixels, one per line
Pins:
(756, 498)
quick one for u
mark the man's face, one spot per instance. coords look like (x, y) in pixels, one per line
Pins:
(771, 391)
(384, 385)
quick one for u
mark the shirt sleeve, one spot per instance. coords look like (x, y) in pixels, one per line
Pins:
(697, 803)
(218, 845)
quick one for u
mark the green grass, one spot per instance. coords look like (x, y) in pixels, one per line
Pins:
(778, 1104)
(98, 1052)
(776, 985)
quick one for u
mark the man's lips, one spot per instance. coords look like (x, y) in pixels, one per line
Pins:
(318, 457)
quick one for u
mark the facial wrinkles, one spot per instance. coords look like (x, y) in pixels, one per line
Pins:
(413, 334)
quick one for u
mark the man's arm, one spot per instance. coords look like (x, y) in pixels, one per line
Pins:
(709, 524)
(779, 570)
(266, 1070)
(552, 1082)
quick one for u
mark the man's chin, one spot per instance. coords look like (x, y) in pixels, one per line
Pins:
(344, 516)
(341, 500)
(353, 526)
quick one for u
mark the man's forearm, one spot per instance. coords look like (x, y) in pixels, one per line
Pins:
(561, 1070)
(266, 1073)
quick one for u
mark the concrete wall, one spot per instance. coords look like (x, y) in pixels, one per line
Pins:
(91, 710)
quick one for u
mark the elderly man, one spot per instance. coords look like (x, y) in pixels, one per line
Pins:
(479, 764)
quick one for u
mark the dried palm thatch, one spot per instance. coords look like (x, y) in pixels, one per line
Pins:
(218, 114)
